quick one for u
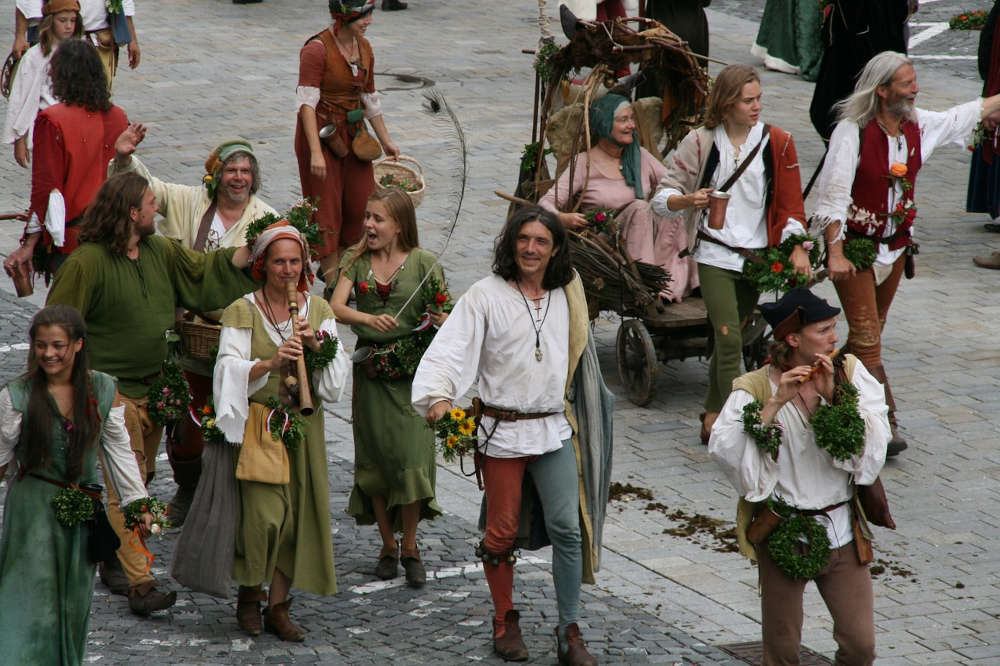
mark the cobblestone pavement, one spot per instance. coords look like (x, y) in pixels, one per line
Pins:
(212, 70)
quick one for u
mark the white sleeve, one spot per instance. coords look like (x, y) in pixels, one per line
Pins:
(451, 362)
(330, 381)
(128, 7)
(25, 95)
(306, 96)
(952, 126)
(231, 385)
(372, 103)
(10, 427)
(792, 227)
(119, 460)
(753, 473)
(659, 202)
(31, 9)
(873, 410)
(836, 181)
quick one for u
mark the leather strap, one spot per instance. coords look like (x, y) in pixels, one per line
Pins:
(511, 415)
(713, 161)
(63, 484)
(749, 255)
(824, 510)
(206, 224)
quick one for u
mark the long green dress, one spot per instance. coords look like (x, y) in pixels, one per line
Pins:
(285, 526)
(46, 580)
(789, 38)
(393, 445)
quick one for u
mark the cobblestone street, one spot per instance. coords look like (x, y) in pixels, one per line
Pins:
(212, 70)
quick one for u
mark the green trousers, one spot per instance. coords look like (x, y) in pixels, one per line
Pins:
(728, 300)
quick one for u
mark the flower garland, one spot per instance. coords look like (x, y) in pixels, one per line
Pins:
(602, 220)
(456, 434)
(799, 546)
(777, 273)
(322, 357)
(299, 216)
(839, 428)
(861, 252)
(206, 422)
(401, 357)
(286, 426)
(974, 20)
(168, 396)
(72, 507)
(768, 437)
(134, 510)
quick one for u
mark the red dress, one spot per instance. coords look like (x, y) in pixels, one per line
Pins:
(344, 192)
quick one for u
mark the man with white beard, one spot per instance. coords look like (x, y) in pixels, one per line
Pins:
(866, 196)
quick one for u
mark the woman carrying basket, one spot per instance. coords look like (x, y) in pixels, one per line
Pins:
(336, 94)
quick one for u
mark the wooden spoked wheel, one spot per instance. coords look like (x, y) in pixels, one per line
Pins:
(637, 363)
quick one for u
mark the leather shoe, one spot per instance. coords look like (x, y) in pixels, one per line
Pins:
(276, 621)
(113, 576)
(511, 645)
(896, 446)
(388, 564)
(248, 609)
(145, 598)
(393, 5)
(992, 226)
(574, 651)
(992, 261)
(416, 575)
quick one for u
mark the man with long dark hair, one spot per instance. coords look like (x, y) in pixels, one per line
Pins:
(73, 142)
(524, 333)
(126, 282)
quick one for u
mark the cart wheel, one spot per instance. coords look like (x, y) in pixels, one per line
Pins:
(636, 361)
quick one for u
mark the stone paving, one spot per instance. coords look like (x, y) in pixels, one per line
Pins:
(212, 70)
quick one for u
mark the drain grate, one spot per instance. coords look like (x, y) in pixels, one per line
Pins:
(753, 652)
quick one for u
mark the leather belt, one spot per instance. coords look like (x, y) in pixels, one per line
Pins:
(513, 415)
(824, 510)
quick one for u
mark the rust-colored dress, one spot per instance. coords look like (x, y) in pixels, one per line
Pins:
(344, 192)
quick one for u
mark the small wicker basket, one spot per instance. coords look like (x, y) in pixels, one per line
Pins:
(386, 167)
(199, 338)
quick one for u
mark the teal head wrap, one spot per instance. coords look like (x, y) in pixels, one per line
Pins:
(602, 120)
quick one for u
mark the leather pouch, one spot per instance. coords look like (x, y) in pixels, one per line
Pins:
(365, 147)
(763, 524)
(262, 457)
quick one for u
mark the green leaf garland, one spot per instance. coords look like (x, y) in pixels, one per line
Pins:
(768, 437)
(839, 428)
(134, 510)
(799, 546)
(861, 252)
(321, 358)
(168, 396)
(72, 507)
(286, 426)
(777, 273)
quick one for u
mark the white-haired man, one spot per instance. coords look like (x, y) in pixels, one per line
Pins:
(866, 192)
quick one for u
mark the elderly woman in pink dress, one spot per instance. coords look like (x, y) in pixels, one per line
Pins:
(622, 177)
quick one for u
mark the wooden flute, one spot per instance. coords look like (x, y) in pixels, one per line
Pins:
(816, 366)
(305, 395)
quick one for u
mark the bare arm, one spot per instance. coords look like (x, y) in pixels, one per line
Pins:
(348, 315)
(317, 165)
(134, 54)
(390, 148)
(20, 33)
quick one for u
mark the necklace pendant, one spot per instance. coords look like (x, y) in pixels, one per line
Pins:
(538, 354)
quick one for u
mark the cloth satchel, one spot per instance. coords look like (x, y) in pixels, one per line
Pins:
(262, 457)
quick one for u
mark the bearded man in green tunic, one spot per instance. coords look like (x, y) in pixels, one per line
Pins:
(127, 282)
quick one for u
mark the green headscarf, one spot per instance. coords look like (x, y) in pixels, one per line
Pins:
(602, 119)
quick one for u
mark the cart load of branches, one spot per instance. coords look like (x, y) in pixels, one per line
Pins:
(611, 280)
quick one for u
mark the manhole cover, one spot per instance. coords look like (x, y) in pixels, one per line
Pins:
(753, 653)
(404, 81)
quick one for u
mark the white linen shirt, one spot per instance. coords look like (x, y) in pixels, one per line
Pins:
(804, 476)
(491, 335)
(746, 213)
(30, 94)
(837, 179)
(119, 461)
(231, 385)
(93, 12)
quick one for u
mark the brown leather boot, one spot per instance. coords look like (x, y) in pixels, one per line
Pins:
(276, 621)
(573, 652)
(144, 598)
(248, 609)
(511, 646)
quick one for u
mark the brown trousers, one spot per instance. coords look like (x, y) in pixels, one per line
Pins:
(145, 443)
(846, 588)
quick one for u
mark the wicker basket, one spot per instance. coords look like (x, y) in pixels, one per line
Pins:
(386, 166)
(199, 338)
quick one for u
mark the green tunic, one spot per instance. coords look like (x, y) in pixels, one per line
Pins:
(46, 580)
(393, 445)
(285, 526)
(129, 304)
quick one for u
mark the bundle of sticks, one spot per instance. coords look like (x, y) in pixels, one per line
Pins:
(611, 277)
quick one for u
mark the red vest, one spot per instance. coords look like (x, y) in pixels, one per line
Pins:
(88, 144)
(872, 180)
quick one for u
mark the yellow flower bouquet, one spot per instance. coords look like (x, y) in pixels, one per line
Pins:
(456, 434)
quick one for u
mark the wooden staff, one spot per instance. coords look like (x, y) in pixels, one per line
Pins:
(305, 397)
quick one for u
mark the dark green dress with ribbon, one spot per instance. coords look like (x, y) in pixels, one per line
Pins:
(46, 580)
(393, 445)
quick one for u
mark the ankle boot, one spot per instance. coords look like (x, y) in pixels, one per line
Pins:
(511, 645)
(573, 651)
(248, 609)
(276, 621)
